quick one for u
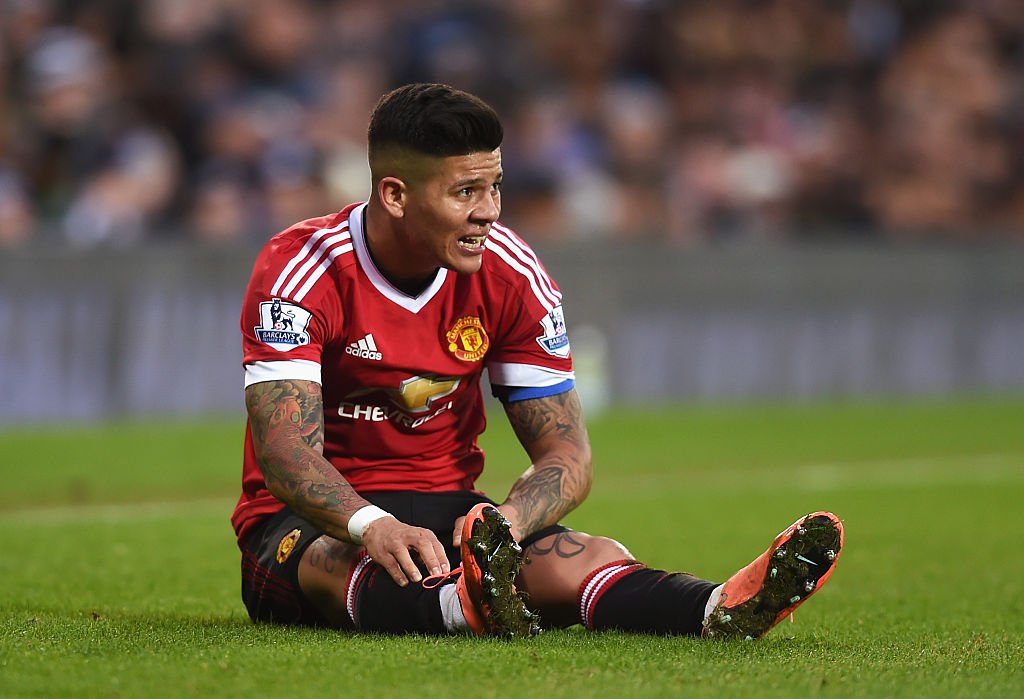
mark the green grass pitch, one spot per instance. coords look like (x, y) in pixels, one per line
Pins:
(119, 572)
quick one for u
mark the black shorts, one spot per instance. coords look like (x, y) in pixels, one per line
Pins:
(272, 550)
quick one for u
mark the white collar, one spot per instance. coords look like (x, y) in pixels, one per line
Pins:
(409, 303)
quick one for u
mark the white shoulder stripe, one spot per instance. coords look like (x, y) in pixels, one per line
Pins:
(302, 253)
(299, 256)
(319, 271)
(315, 259)
(504, 254)
(538, 282)
(529, 261)
(527, 255)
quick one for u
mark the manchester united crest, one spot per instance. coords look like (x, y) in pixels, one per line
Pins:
(468, 340)
(287, 545)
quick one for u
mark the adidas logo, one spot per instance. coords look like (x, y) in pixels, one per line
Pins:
(364, 349)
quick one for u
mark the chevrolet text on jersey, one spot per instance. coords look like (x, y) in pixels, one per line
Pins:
(383, 413)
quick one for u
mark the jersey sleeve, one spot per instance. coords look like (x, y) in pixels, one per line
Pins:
(533, 358)
(284, 332)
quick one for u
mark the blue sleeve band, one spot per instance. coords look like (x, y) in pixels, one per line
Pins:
(508, 394)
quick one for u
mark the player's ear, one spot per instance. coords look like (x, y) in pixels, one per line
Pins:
(393, 195)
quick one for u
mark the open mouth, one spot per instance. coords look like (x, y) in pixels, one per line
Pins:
(472, 242)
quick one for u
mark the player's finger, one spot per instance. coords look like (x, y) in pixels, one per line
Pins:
(432, 554)
(408, 565)
(394, 569)
(428, 556)
(457, 533)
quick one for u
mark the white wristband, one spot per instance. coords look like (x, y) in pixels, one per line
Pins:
(359, 521)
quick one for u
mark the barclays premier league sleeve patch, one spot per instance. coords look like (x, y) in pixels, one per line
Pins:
(283, 325)
(555, 341)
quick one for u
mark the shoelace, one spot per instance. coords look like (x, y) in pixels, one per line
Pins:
(428, 585)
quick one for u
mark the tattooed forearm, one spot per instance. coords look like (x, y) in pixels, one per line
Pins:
(286, 420)
(554, 435)
(540, 499)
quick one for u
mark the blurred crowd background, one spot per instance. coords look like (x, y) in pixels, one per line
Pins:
(224, 121)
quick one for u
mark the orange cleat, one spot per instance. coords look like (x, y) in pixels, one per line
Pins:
(491, 558)
(794, 567)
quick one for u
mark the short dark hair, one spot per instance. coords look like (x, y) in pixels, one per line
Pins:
(434, 119)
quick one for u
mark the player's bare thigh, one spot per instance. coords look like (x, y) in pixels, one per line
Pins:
(323, 574)
(554, 568)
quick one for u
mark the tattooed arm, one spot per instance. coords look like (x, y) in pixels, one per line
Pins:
(554, 435)
(287, 423)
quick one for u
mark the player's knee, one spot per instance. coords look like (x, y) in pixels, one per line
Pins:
(570, 556)
(601, 550)
(322, 573)
(556, 566)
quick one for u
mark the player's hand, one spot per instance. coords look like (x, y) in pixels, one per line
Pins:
(392, 543)
(459, 522)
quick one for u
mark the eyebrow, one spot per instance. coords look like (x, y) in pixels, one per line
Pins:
(476, 180)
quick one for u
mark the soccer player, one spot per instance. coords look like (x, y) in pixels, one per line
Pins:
(366, 333)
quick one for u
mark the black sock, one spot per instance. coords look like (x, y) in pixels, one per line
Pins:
(381, 605)
(629, 596)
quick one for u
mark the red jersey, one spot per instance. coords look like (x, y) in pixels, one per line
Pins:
(400, 374)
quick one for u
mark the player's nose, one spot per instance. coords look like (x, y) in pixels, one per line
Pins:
(488, 210)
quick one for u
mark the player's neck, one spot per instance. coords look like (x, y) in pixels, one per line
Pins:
(383, 248)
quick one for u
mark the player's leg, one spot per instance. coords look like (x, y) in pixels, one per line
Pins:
(272, 555)
(572, 577)
(555, 565)
(292, 573)
(325, 578)
(575, 577)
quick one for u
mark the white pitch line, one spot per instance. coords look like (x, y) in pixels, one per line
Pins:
(850, 475)
(966, 470)
(825, 477)
(117, 513)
